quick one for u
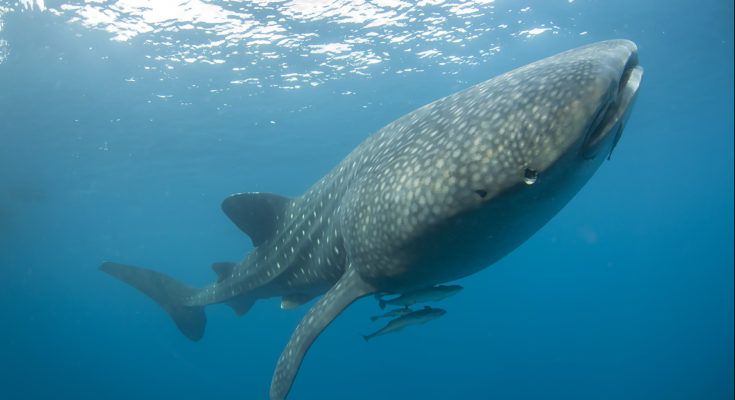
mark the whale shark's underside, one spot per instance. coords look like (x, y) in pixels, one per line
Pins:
(434, 196)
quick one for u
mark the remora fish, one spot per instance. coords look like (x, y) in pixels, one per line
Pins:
(413, 318)
(435, 293)
(392, 313)
(432, 197)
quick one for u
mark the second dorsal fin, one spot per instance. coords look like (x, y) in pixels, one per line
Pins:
(223, 270)
(255, 213)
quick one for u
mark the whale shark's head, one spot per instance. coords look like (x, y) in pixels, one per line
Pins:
(481, 170)
(554, 120)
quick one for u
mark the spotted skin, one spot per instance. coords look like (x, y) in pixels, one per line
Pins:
(434, 196)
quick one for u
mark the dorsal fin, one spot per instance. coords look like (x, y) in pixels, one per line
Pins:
(223, 270)
(255, 213)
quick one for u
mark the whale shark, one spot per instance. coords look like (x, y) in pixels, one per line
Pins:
(436, 195)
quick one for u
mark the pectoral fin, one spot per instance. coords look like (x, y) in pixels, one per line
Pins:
(348, 288)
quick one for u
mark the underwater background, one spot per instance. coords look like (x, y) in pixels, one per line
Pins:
(123, 125)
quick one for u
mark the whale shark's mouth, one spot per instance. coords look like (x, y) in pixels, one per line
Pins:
(614, 112)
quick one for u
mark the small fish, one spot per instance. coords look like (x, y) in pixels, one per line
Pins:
(392, 313)
(413, 318)
(434, 293)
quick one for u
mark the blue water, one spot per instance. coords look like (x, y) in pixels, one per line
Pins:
(123, 127)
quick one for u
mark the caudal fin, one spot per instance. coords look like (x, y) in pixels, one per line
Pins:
(167, 292)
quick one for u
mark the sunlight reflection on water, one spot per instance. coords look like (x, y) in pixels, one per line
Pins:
(302, 43)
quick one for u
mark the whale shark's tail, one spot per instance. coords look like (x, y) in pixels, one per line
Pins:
(167, 292)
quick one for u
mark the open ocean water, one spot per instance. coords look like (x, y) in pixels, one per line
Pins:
(123, 125)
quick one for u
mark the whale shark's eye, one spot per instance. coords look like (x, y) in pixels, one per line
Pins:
(530, 176)
(482, 193)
